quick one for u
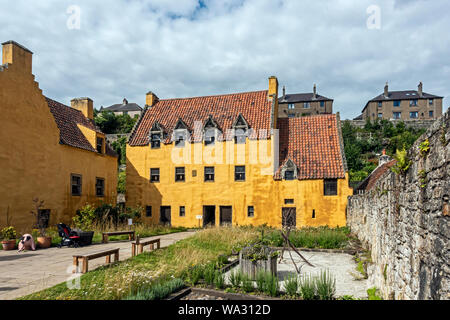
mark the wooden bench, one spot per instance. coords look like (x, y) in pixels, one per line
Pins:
(105, 235)
(140, 245)
(86, 257)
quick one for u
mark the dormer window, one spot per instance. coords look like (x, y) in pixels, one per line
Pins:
(240, 135)
(180, 134)
(240, 127)
(180, 139)
(156, 135)
(289, 170)
(210, 131)
(210, 137)
(155, 140)
(289, 175)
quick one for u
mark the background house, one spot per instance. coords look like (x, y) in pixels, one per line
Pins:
(303, 104)
(403, 105)
(132, 109)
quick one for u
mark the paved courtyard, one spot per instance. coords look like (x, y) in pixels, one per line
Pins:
(340, 265)
(27, 272)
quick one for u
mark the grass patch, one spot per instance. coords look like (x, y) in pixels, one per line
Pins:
(309, 237)
(127, 277)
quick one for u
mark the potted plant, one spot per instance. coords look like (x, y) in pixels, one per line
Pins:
(43, 241)
(9, 238)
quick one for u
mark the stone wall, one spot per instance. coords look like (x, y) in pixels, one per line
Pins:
(416, 124)
(404, 221)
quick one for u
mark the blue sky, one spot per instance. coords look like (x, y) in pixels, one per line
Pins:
(189, 48)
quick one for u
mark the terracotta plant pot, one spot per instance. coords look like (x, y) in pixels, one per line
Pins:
(9, 244)
(44, 242)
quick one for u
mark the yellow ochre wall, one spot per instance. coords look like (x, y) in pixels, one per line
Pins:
(33, 164)
(261, 191)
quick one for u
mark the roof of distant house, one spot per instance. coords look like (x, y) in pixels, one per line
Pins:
(402, 95)
(376, 174)
(67, 119)
(224, 110)
(124, 106)
(313, 144)
(302, 97)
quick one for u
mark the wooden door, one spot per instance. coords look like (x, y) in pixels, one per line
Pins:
(226, 216)
(165, 215)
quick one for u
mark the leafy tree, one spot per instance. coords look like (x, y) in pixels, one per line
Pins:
(361, 145)
(110, 123)
(120, 146)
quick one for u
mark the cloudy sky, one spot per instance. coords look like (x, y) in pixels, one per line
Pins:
(182, 48)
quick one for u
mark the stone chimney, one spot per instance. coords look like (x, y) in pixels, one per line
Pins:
(284, 93)
(151, 99)
(273, 88)
(386, 90)
(125, 101)
(420, 89)
(17, 55)
(85, 105)
(384, 158)
(314, 91)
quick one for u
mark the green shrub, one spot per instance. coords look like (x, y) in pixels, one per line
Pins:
(157, 291)
(372, 294)
(260, 280)
(222, 261)
(85, 217)
(8, 233)
(308, 287)
(194, 274)
(291, 285)
(326, 286)
(219, 280)
(235, 278)
(247, 283)
(209, 274)
(270, 284)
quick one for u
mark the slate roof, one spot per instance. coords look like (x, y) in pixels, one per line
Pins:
(224, 110)
(313, 144)
(376, 174)
(402, 95)
(302, 97)
(123, 107)
(67, 119)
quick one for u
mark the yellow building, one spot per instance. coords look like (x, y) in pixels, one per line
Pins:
(48, 151)
(216, 160)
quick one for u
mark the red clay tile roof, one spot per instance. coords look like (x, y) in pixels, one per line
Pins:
(67, 119)
(224, 109)
(312, 143)
(376, 174)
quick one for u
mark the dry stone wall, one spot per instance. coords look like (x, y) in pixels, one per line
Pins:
(404, 221)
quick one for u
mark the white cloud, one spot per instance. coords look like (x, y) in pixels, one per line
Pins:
(182, 48)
